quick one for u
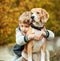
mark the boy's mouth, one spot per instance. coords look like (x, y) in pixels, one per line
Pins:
(24, 33)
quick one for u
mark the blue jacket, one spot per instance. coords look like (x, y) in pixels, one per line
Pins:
(18, 49)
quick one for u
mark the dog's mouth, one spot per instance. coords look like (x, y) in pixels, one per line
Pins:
(34, 21)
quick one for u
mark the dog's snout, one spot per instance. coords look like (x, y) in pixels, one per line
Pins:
(32, 17)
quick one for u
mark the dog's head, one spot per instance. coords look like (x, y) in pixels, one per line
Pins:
(39, 16)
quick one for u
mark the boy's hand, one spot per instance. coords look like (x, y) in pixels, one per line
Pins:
(43, 33)
(35, 36)
(38, 35)
(31, 36)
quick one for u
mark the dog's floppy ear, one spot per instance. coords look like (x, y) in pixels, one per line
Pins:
(44, 15)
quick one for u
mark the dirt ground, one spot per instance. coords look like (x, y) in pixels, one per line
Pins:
(6, 52)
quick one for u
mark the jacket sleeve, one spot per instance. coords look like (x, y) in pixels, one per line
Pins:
(49, 35)
(18, 49)
(20, 38)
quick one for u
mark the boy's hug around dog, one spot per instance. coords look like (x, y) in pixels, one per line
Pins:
(32, 33)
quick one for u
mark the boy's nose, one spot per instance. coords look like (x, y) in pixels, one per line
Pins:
(23, 29)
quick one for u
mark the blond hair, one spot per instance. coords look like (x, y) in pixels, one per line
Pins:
(25, 17)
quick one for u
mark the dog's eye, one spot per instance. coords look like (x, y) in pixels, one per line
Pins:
(37, 12)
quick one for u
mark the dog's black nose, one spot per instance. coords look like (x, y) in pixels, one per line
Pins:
(32, 17)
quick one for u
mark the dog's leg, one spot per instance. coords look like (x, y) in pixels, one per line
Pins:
(42, 55)
(47, 55)
(30, 44)
(43, 51)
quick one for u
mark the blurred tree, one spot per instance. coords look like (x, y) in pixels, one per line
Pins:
(10, 10)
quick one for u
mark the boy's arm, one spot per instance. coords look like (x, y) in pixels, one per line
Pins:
(38, 35)
(49, 35)
(20, 38)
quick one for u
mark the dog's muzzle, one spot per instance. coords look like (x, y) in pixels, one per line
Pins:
(32, 17)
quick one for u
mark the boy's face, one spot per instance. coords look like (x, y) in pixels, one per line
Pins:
(24, 28)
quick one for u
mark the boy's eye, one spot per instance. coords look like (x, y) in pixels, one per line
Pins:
(21, 25)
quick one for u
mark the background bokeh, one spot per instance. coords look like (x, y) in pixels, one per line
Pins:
(10, 10)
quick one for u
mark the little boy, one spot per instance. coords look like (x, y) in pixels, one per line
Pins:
(21, 38)
(21, 34)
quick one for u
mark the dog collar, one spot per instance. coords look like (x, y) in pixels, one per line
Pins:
(35, 27)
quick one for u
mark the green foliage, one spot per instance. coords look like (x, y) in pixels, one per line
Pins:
(10, 10)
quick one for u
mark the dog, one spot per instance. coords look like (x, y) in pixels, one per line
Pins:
(38, 19)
